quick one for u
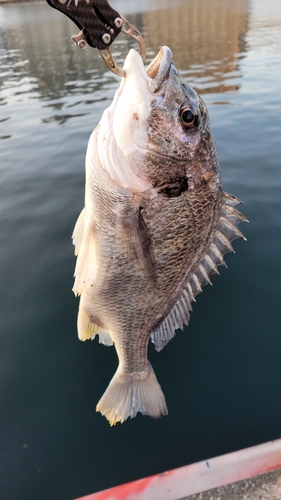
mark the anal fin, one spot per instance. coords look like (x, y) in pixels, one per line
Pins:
(88, 330)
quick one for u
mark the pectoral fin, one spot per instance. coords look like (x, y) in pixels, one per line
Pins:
(142, 243)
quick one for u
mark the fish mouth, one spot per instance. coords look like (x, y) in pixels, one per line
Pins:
(159, 69)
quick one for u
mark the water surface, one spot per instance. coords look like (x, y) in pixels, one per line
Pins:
(221, 376)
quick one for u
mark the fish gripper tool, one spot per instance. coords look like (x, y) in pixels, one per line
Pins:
(99, 26)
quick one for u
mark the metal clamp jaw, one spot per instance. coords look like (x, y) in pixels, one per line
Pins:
(129, 30)
(99, 26)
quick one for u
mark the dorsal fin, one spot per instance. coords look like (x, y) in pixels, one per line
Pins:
(227, 231)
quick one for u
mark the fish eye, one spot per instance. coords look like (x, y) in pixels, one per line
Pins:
(188, 119)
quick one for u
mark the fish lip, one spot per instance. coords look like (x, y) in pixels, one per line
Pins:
(159, 69)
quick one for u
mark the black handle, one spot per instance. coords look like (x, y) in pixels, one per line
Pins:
(100, 23)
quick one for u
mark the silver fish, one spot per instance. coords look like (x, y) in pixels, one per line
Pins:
(155, 226)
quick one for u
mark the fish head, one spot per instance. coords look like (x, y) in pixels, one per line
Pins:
(174, 127)
(178, 127)
(160, 125)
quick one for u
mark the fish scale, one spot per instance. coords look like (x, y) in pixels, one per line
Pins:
(154, 229)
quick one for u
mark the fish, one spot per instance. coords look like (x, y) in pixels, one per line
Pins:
(155, 226)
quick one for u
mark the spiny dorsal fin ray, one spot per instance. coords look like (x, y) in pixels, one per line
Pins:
(226, 232)
(232, 214)
(229, 229)
(229, 199)
(216, 256)
(195, 285)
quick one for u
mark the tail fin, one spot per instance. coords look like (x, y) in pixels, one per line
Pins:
(129, 393)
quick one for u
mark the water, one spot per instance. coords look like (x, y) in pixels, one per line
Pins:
(221, 377)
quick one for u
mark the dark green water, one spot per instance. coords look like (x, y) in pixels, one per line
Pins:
(221, 376)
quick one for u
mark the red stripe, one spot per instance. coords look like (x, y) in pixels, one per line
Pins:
(198, 477)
